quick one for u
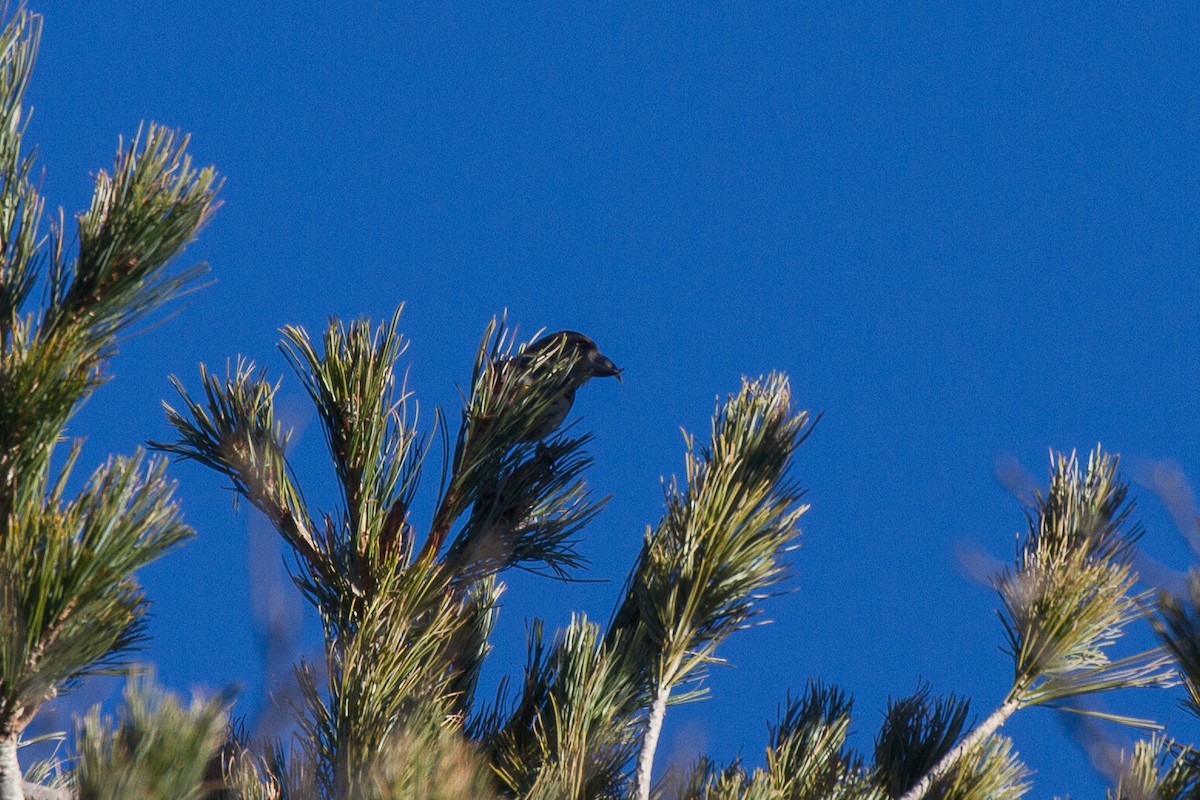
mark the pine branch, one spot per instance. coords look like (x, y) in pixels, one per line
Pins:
(10, 769)
(717, 551)
(529, 516)
(915, 751)
(69, 605)
(1067, 600)
(141, 217)
(807, 758)
(405, 638)
(22, 209)
(569, 735)
(235, 433)
(156, 750)
(1177, 623)
(470, 645)
(1158, 769)
(1069, 597)
(970, 743)
(916, 734)
(654, 722)
(375, 450)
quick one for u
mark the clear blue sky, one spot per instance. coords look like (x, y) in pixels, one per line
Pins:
(965, 232)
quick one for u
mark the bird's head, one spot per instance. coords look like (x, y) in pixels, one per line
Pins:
(589, 361)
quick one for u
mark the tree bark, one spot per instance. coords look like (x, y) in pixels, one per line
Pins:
(10, 770)
(645, 765)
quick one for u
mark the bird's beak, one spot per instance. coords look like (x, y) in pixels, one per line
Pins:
(603, 367)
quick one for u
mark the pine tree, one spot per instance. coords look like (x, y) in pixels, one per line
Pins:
(392, 711)
(69, 605)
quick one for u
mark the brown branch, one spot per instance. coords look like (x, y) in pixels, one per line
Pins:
(442, 521)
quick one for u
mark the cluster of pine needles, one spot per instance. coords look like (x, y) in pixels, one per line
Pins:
(390, 709)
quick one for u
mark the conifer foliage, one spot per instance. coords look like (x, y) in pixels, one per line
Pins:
(390, 711)
(406, 627)
(69, 604)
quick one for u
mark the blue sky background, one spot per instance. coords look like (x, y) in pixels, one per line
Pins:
(966, 233)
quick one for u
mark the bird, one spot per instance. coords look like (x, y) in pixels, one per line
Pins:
(587, 363)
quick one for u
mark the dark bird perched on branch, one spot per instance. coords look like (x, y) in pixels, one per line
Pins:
(545, 354)
(516, 400)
